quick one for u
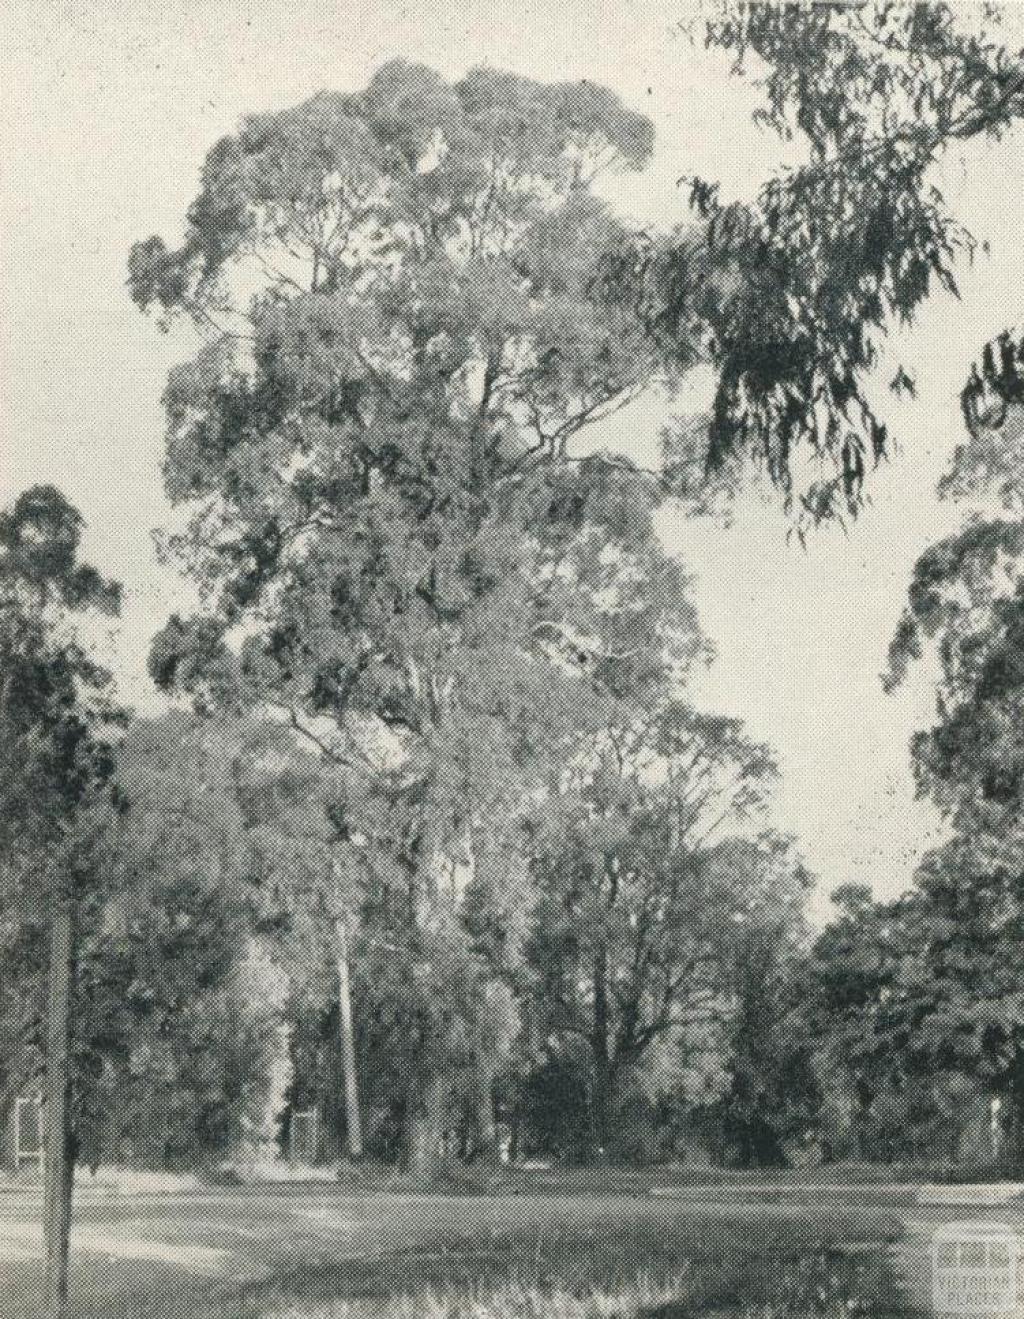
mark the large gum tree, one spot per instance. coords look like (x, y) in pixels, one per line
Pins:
(412, 304)
(406, 325)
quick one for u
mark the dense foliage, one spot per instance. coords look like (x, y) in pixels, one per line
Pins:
(427, 583)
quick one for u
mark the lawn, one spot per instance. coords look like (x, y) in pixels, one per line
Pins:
(329, 1255)
(583, 1263)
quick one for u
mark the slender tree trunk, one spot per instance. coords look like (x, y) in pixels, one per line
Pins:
(602, 1061)
(59, 1148)
(425, 890)
(486, 1127)
(353, 1124)
(515, 1134)
(427, 1106)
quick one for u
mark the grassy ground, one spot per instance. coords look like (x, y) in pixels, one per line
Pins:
(764, 1270)
(825, 1285)
(332, 1255)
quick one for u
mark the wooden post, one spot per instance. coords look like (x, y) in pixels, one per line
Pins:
(59, 1154)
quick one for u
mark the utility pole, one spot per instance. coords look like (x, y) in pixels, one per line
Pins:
(59, 1151)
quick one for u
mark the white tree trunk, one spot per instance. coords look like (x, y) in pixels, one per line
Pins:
(353, 1123)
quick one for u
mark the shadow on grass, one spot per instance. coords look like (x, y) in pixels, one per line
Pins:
(674, 1269)
(498, 1258)
(109, 1289)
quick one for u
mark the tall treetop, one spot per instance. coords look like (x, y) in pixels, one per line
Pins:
(408, 322)
(411, 160)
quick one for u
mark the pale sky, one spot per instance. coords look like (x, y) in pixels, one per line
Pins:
(108, 107)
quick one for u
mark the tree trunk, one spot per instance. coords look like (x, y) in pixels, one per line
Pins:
(486, 1127)
(353, 1124)
(427, 1102)
(425, 886)
(515, 1133)
(425, 1117)
(602, 1061)
(59, 1146)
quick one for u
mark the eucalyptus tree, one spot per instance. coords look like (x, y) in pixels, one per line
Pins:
(405, 555)
(790, 295)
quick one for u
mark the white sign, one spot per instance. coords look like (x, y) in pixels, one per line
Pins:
(975, 1269)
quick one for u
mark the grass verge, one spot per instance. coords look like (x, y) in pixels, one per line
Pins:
(765, 1266)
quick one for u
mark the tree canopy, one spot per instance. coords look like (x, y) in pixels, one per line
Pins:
(790, 295)
(403, 556)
